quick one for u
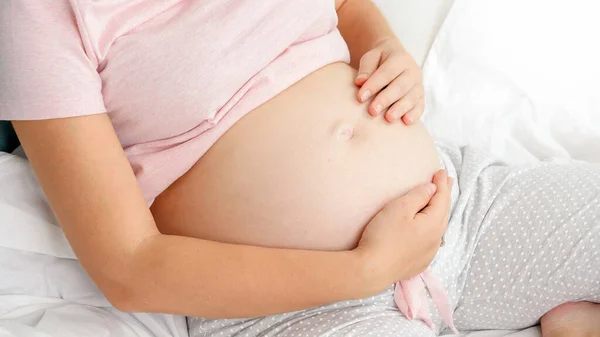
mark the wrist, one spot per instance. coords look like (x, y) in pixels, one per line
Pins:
(371, 277)
(389, 40)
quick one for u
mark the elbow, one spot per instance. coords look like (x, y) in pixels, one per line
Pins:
(123, 292)
(123, 301)
(128, 286)
(122, 296)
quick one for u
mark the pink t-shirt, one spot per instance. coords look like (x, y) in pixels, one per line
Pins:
(173, 75)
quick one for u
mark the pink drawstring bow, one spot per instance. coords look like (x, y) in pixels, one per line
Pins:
(411, 299)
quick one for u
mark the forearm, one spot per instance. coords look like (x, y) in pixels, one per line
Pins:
(362, 25)
(202, 278)
(92, 190)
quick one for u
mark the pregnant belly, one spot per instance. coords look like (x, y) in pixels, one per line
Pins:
(307, 169)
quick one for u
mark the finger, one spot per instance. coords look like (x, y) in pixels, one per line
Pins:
(415, 113)
(399, 87)
(405, 104)
(440, 202)
(414, 200)
(367, 66)
(383, 76)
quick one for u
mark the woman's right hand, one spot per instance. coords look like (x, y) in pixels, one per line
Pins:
(402, 240)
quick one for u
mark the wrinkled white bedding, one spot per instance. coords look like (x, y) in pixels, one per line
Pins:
(503, 75)
(44, 292)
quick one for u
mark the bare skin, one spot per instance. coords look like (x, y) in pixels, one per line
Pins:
(580, 319)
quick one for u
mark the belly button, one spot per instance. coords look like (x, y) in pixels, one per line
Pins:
(344, 132)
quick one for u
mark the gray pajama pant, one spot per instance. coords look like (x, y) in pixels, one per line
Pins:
(521, 241)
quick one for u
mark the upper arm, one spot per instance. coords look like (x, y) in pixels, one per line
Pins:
(51, 90)
(46, 69)
(92, 190)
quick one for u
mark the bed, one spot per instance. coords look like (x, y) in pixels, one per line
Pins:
(505, 75)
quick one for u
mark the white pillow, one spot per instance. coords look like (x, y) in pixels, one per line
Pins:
(520, 78)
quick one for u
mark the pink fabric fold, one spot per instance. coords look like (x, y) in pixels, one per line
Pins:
(411, 298)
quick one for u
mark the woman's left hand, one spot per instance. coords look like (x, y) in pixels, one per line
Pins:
(390, 72)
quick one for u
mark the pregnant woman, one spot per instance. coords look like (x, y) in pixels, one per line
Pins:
(229, 159)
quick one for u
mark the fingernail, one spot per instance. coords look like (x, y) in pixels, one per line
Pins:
(378, 108)
(365, 95)
(431, 188)
(362, 76)
(392, 114)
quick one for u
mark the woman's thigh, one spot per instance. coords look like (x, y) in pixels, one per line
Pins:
(374, 316)
(539, 245)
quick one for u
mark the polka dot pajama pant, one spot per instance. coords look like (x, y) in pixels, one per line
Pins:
(521, 241)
